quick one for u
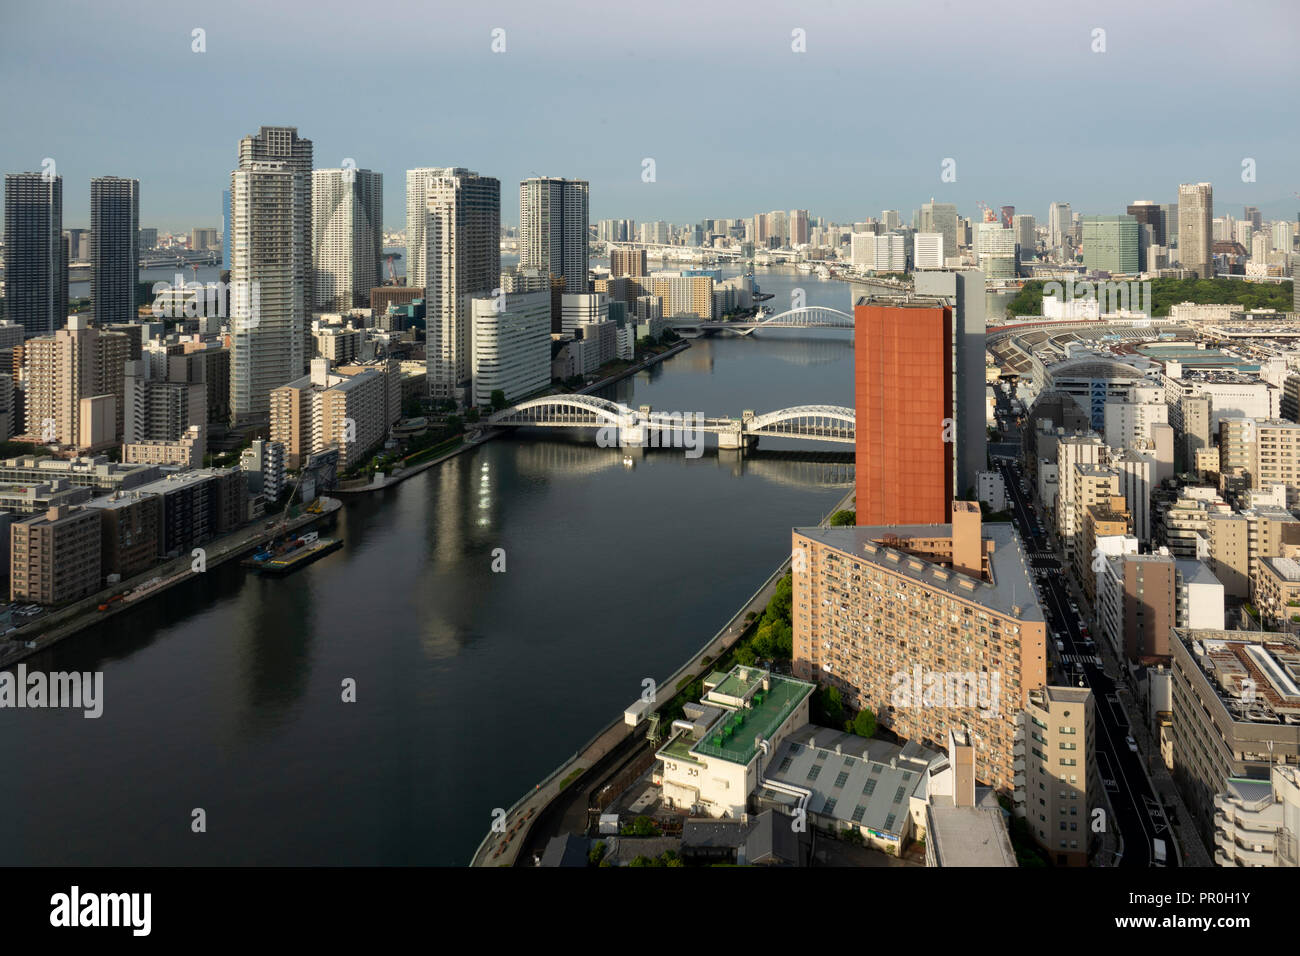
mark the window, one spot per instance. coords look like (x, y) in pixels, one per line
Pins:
(889, 821)
(870, 787)
(858, 812)
(814, 772)
(830, 807)
(841, 779)
(898, 797)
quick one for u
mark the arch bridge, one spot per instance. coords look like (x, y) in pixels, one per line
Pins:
(620, 425)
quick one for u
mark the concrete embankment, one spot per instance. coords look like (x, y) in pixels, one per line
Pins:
(502, 848)
(66, 621)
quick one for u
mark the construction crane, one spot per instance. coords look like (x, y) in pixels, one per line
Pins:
(989, 214)
(392, 273)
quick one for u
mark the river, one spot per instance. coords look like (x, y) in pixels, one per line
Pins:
(225, 694)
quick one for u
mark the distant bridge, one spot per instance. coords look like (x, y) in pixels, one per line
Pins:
(808, 317)
(643, 426)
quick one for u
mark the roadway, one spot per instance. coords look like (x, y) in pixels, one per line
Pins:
(1140, 817)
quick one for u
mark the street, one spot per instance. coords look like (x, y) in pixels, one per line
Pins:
(1140, 816)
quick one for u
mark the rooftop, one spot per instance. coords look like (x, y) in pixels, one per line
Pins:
(969, 836)
(1256, 675)
(1009, 591)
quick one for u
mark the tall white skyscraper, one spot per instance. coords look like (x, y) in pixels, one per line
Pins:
(114, 248)
(553, 229)
(1195, 228)
(454, 253)
(282, 144)
(267, 304)
(347, 236)
(1058, 224)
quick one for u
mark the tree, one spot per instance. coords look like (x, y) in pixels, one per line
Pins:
(863, 723)
(597, 853)
(498, 399)
(842, 518)
(472, 416)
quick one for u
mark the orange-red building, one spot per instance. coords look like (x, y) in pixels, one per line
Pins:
(903, 385)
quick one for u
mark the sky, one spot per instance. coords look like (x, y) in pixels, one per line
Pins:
(737, 122)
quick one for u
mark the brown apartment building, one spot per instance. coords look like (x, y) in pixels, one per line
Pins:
(54, 556)
(932, 627)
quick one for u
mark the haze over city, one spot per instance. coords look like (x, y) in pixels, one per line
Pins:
(734, 118)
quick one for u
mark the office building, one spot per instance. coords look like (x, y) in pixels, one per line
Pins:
(1110, 244)
(1059, 222)
(1026, 229)
(1148, 213)
(114, 249)
(453, 253)
(995, 250)
(36, 259)
(927, 250)
(905, 399)
(347, 237)
(512, 345)
(1236, 713)
(963, 292)
(1195, 234)
(54, 557)
(203, 239)
(940, 217)
(553, 228)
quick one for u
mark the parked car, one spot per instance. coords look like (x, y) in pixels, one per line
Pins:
(1132, 744)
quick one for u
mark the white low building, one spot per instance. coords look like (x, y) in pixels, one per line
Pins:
(719, 752)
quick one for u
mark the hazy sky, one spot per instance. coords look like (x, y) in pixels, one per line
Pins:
(736, 121)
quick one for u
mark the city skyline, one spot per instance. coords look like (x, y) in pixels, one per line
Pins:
(730, 160)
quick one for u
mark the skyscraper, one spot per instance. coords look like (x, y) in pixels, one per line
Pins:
(1026, 237)
(798, 223)
(281, 144)
(904, 384)
(114, 248)
(941, 217)
(454, 253)
(1148, 213)
(36, 262)
(268, 311)
(1110, 244)
(1195, 218)
(553, 229)
(1058, 224)
(347, 236)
